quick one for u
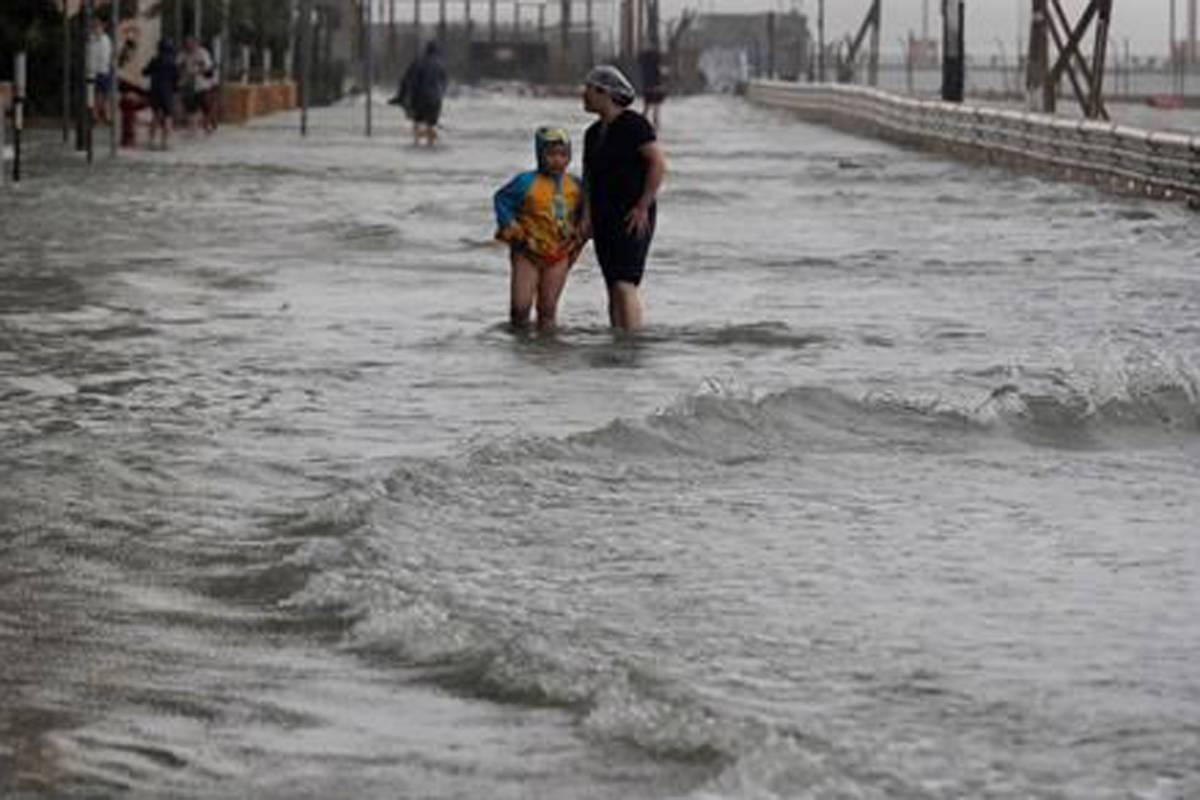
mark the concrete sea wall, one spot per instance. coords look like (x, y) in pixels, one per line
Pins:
(1156, 163)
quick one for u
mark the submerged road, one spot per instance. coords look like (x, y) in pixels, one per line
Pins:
(895, 497)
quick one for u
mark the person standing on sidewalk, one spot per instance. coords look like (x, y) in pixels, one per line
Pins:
(99, 69)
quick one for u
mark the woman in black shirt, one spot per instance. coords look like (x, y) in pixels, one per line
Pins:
(623, 167)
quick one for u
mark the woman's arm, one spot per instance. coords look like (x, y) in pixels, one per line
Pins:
(638, 220)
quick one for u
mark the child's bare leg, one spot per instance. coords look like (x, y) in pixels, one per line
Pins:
(523, 288)
(550, 288)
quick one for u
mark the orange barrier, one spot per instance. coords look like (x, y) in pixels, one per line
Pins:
(244, 101)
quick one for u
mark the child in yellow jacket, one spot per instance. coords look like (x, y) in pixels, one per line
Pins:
(538, 214)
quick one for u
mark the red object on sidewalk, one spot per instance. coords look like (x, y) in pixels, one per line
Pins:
(1169, 101)
(131, 104)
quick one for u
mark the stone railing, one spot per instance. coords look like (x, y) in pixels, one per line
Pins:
(1129, 159)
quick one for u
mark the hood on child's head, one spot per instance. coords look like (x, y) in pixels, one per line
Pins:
(546, 136)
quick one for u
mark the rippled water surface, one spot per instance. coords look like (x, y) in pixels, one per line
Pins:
(895, 497)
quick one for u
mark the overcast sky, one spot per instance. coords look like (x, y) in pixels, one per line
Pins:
(1144, 22)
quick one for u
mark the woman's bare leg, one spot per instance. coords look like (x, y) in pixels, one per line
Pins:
(624, 307)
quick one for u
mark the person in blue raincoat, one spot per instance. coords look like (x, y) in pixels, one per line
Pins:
(538, 214)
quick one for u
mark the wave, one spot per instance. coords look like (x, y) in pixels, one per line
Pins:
(479, 572)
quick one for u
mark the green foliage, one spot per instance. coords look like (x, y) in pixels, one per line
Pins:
(33, 26)
(26, 25)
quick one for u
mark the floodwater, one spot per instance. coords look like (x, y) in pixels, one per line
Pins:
(896, 496)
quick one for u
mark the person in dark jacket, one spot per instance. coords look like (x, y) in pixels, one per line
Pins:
(420, 93)
(164, 76)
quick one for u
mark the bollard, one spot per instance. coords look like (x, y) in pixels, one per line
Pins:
(18, 112)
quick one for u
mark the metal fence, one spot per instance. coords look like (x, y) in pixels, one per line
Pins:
(1156, 163)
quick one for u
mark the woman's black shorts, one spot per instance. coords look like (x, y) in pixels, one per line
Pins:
(622, 256)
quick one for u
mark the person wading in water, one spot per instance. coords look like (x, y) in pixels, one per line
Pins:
(420, 94)
(623, 168)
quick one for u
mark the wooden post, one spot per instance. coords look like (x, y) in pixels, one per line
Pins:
(873, 62)
(821, 41)
(1092, 101)
(953, 58)
(1095, 105)
(1040, 94)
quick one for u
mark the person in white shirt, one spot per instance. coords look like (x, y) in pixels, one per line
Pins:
(197, 78)
(99, 68)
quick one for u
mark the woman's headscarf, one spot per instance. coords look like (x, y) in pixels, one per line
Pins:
(612, 81)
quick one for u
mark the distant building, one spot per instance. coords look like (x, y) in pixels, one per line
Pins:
(720, 51)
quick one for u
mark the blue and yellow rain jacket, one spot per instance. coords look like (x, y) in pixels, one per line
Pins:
(538, 212)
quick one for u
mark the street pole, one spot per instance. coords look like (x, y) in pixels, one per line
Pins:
(368, 62)
(4, 116)
(89, 82)
(306, 46)
(114, 80)
(66, 74)
(19, 84)
(197, 18)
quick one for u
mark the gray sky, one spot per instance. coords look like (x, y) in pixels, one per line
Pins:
(1144, 22)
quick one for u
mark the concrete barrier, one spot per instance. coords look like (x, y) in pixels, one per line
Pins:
(1155, 163)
